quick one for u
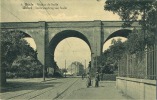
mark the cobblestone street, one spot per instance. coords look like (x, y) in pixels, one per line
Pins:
(63, 88)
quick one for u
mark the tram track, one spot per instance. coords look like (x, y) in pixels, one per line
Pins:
(51, 89)
(37, 92)
(30, 92)
(60, 95)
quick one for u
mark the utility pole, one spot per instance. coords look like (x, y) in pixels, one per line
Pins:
(65, 68)
(96, 58)
(71, 69)
(44, 73)
(85, 66)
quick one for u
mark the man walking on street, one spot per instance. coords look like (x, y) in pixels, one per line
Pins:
(97, 79)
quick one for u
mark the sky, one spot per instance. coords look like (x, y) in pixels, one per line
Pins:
(59, 10)
(69, 10)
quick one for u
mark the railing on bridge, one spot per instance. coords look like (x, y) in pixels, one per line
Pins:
(143, 66)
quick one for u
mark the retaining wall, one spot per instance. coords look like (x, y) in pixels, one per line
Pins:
(142, 89)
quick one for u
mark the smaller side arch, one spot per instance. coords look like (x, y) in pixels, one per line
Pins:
(22, 33)
(121, 33)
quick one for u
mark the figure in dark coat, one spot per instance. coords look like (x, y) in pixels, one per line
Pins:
(97, 79)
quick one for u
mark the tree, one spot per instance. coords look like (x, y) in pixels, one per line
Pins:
(108, 60)
(89, 65)
(133, 10)
(57, 71)
(12, 46)
(114, 53)
(26, 66)
(143, 11)
(64, 71)
(117, 49)
(107, 69)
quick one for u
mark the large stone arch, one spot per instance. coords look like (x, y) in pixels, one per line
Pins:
(58, 38)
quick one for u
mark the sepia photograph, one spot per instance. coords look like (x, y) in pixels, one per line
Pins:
(78, 49)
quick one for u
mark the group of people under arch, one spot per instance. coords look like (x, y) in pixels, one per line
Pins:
(89, 80)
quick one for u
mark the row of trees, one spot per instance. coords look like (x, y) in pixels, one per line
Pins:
(145, 12)
(107, 62)
(18, 59)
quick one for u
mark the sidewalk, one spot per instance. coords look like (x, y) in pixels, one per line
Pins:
(106, 90)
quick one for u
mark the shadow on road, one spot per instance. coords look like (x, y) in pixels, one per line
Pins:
(18, 86)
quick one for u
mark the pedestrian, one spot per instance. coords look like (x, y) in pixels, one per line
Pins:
(97, 79)
(82, 76)
(88, 83)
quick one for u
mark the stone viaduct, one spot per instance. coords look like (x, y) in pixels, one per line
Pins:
(47, 35)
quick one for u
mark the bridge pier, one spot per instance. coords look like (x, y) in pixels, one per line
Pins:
(44, 59)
